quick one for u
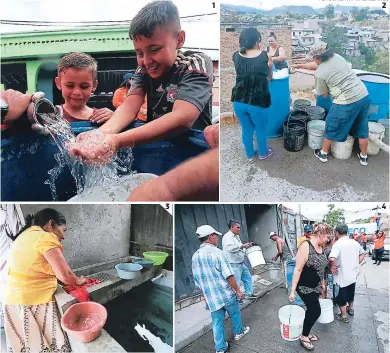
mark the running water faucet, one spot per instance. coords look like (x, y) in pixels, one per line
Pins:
(42, 106)
(163, 274)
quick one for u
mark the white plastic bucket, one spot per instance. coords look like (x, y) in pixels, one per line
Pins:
(255, 256)
(315, 131)
(342, 150)
(378, 131)
(291, 322)
(327, 315)
(273, 273)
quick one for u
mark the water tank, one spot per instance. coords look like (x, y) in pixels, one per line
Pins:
(26, 160)
(280, 106)
(378, 90)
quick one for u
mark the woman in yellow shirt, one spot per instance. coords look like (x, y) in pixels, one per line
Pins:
(35, 262)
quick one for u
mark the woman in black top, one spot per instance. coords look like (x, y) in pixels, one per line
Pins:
(251, 94)
(308, 279)
(277, 53)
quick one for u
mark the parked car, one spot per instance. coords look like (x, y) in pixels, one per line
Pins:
(386, 254)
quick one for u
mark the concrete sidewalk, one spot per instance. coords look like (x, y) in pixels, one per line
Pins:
(194, 321)
(367, 331)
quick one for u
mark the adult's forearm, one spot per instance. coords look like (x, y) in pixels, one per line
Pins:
(69, 279)
(295, 280)
(278, 59)
(124, 115)
(232, 282)
(193, 180)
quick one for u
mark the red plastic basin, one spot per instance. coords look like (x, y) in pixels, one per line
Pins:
(84, 321)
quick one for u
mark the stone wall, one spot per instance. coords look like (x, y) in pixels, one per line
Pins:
(229, 44)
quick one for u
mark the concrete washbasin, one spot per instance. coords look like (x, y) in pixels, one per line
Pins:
(120, 299)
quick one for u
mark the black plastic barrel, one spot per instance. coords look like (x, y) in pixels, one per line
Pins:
(300, 115)
(316, 113)
(301, 104)
(294, 135)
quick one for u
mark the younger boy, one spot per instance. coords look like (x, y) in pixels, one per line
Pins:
(77, 80)
(178, 86)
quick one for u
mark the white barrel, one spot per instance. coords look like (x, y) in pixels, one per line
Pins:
(315, 132)
(255, 256)
(378, 130)
(291, 322)
(342, 150)
(327, 315)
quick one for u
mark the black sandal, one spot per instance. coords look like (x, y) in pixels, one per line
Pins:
(313, 337)
(307, 345)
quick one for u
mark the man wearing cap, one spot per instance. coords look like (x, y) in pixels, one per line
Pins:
(213, 274)
(306, 236)
(283, 252)
(235, 252)
(348, 114)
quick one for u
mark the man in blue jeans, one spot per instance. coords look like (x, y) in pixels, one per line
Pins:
(348, 114)
(235, 252)
(213, 274)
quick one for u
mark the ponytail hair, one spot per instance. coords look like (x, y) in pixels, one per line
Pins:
(272, 34)
(249, 37)
(42, 218)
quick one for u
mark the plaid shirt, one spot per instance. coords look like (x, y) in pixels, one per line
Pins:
(210, 268)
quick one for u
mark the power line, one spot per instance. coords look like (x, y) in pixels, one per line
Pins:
(89, 22)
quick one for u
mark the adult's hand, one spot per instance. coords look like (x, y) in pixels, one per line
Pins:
(96, 147)
(335, 270)
(247, 245)
(274, 258)
(81, 280)
(100, 116)
(291, 297)
(240, 295)
(18, 103)
(196, 179)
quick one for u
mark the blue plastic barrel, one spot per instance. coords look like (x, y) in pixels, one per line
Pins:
(280, 106)
(26, 160)
(378, 91)
(290, 266)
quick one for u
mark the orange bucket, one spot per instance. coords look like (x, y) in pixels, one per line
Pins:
(84, 321)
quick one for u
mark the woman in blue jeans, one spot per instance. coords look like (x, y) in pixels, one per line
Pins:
(250, 96)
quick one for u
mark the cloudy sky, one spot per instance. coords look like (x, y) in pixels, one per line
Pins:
(268, 5)
(354, 210)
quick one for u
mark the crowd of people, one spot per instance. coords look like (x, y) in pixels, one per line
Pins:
(325, 256)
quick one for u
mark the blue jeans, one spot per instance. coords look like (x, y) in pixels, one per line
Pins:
(347, 119)
(218, 318)
(241, 273)
(253, 119)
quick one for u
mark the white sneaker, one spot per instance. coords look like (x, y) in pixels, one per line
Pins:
(241, 335)
(223, 351)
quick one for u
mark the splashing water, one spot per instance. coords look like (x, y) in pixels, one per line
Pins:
(88, 178)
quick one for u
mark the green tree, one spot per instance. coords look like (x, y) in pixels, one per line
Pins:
(329, 11)
(362, 14)
(369, 55)
(335, 38)
(334, 216)
(381, 63)
(354, 12)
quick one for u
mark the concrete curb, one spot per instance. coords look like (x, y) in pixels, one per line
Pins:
(204, 327)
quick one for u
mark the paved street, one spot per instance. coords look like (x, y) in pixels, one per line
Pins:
(367, 331)
(298, 176)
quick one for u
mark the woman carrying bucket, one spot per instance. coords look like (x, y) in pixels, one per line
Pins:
(308, 279)
(35, 262)
(251, 96)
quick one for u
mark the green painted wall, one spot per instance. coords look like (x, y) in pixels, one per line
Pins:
(43, 44)
(49, 46)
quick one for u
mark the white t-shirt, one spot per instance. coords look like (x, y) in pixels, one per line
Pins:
(346, 251)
